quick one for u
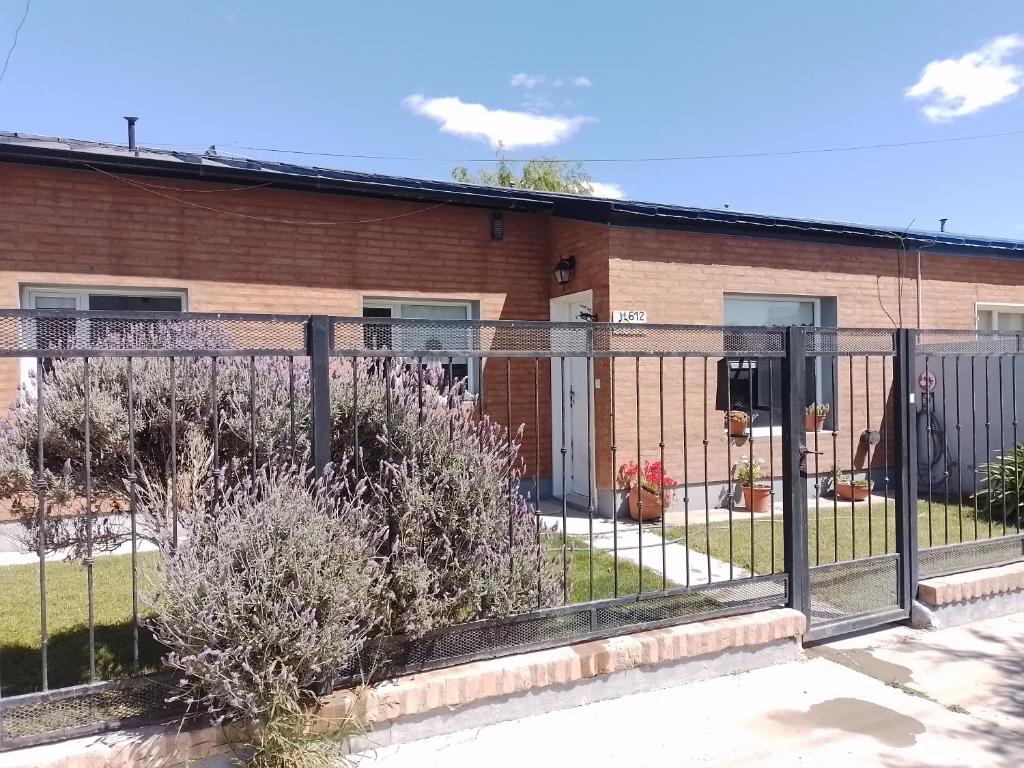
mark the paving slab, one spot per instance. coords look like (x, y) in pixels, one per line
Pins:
(977, 668)
(810, 713)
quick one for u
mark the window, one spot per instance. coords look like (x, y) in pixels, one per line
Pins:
(1001, 317)
(755, 384)
(61, 332)
(423, 337)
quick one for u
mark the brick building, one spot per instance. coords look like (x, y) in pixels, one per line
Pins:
(94, 226)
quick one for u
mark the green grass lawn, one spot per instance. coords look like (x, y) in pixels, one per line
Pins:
(604, 574)
(67, 623)
(835, 535)
(67, 614)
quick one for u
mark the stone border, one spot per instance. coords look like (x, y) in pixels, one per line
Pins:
(472, 694)
(949, 601)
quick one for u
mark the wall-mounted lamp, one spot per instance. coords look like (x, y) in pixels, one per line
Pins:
(497, 226)
(563, 269)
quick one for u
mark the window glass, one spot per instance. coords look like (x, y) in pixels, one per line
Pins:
(425, 336)
(127, 303)
(754, 385)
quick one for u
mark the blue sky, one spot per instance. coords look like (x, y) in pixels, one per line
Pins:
(597, 80)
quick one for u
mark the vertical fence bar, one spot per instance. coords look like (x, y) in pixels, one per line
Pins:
(1013, 394)
(1002, 428)
(44, 640)
(928, 405)
(945, 450)
(536, 469)
(172, 370)
(988, 435)
(318, 347)
(906, 447)
(835, 458)
(215, 469)
(565, 510)
(133, 513)
(615, 479)
(974, 436)
(686, 479)
(887, 414)
(771, 456)
(959, 451)
(750, 452)
(639, 490)
(729, 500)
(707, 486)
(867, 460)
(291, 407)
(853, 465)
(89, 562)
(253, 443)
(590, 457)
(794, 486)
(661, 448)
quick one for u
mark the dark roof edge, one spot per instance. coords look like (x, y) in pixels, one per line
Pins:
(226, 169)
(371, 185)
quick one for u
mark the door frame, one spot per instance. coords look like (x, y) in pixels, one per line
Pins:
(559, 312)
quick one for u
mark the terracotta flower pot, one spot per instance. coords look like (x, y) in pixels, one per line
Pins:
(652, 504)
(851, 492)
(738, 428)
(814, 423)
(757, 499)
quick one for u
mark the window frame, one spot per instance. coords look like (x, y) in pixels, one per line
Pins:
(815, 302)
(996, 308)
(28, 293)
(395, 306)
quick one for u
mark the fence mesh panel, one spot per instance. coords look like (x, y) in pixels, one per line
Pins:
(57, 334)
(853, 588)
(442, 338)
(957, 558)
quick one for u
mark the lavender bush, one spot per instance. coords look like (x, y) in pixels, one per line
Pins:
(271, 595)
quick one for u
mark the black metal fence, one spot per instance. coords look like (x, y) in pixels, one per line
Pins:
(674, 473)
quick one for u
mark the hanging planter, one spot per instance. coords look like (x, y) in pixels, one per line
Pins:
(815, 415)
(739, 423)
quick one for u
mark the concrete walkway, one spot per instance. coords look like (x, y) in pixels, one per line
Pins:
(627, 539)
(898, 698)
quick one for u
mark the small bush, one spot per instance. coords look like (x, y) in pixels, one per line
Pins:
(1003, 487)
(271, 595)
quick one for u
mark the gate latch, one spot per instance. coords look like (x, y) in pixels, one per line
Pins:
(804, 452)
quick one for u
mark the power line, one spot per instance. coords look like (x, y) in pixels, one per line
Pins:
(267, 219)
(653, 159)
(14, 43)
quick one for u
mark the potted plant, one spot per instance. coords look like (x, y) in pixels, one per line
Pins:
(757, 492)
(739, 423)
(815, 415)
(849, 488)
(649, 485)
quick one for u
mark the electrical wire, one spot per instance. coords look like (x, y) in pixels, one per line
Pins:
(14, 43)
(265, 219)
(654, 159)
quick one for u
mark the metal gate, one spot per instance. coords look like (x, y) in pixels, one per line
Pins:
(848, 448)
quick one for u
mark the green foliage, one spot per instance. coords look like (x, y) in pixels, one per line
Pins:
(543, 174)
(1002, 489)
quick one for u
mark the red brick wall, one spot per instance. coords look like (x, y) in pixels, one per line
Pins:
(683, 278)
(71, 227)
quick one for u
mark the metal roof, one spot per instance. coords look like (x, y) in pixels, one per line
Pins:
(216, 167)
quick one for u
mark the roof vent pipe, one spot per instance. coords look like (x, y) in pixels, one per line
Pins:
(942, 225)
(131, 131)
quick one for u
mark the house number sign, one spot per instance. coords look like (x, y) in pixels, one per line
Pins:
(629, 316)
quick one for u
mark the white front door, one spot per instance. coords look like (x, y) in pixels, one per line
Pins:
(572, 397)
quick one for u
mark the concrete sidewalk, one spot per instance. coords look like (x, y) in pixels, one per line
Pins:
(897, 698)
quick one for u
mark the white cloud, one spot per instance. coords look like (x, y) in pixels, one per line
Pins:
(582, 82)
(513, 129)
(956, 87)
(607, 189)
(523, 80)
